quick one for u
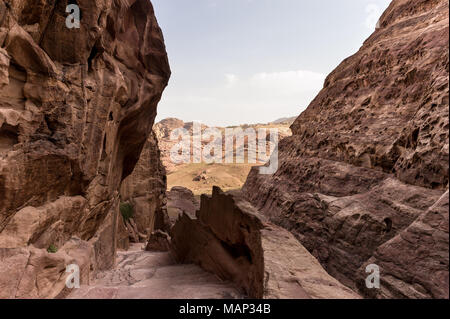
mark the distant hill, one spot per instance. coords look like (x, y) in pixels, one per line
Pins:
(201, 177)
(285, 120)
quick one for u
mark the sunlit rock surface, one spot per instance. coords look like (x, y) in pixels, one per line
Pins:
(369, 159)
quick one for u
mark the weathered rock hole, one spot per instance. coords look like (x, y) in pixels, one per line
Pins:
(52, 125)
(91, 57)
(238, 250)
(435, 185)
(104, 149)
(415, 136)
(9, 136)
(388, 224)
(110, 27)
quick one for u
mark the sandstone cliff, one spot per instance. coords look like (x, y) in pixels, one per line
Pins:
(362, 179)
(145, 190)
(76, 108)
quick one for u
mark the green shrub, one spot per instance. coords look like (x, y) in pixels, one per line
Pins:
(52, 249)
(126, 209)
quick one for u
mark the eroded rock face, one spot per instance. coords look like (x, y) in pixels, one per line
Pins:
(76, 108)
(158, 241)
(145, 189)
(34, 273)
(418, 255)
(369, 158)
(163, 131)
(167, 132)
(232, 240)
(181, 200)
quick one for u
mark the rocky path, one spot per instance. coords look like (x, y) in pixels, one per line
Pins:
(141, 274)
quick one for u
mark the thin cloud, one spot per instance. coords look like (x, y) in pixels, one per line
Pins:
(259, 98)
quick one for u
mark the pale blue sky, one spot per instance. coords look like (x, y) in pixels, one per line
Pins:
(251, 61)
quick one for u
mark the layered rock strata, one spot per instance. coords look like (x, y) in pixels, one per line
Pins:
(362, 178)
(145, 190)
(76, 108)
(232, 240)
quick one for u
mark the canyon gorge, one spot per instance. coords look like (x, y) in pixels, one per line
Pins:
(86, 177)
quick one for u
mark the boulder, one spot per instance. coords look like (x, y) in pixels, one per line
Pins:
(181, 200)
(158, 241)
(231, 239)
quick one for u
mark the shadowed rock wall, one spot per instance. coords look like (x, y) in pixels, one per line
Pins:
(232, 240)
(76, 108)
(145, 190)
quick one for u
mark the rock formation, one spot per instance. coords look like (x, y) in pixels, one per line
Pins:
(362, 179)
(418, 255)
(181, 200)
(145, 190)
(200, 176)
(164, 129)
(76, 108)
(231, 239)
(158, 241)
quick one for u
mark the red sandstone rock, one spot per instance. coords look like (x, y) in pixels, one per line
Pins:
(181, 200)
(76, 108)
(232, 240)
(145, 190)
(369, 157)
(158, 241)
(164, 129)
(415, 262)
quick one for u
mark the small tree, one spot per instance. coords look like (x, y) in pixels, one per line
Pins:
(126, 210)
(52, 249)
